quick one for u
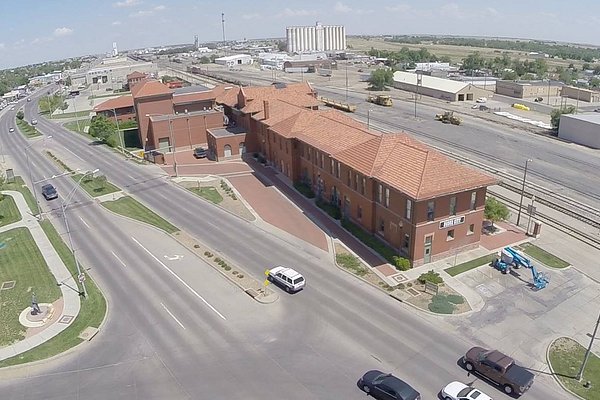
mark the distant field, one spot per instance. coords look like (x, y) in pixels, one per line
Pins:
(456, 53)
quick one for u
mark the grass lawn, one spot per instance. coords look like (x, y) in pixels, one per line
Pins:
(26, 129)
(19, 186)
(71, 115)
(23, 263)
(111, 94)
(466, 266)
(543, 256)
(93, 309)
(209, 193)
(83, 123)
(9, 212)
(131, 208)
(95, 186)
(566, 356)
(350, 262)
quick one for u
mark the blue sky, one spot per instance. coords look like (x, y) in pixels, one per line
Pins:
(40, 30)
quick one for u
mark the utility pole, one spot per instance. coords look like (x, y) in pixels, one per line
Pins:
(587, 353)
(523, 190)
(223, 26)
(346, 80)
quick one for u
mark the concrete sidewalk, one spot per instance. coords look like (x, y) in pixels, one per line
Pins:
(71, 301)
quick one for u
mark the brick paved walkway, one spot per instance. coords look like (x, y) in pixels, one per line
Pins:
(510, 236)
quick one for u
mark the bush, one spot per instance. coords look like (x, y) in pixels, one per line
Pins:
(401, 263)
(331, 209)
(255, 155)
(440, 305)
(455, 299)
(217, 260)
(430, 276)
(235, 272)
(305, 189)
(240, 276)
(409, 284)
(206, 253)
(227, 267)
(385, 251)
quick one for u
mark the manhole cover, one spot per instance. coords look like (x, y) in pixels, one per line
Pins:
(66, 319)
(413, 291)
(8, 285)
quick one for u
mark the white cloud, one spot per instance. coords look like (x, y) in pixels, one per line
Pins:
(251, 16)
(115, 23)
(345, 9)
(160, 8)
(399, 8)
(41, 40)
(145, 13)
(288, 12)
(127, 3)
(1, 46)
(64, 31)
(452, 10)
(492, 11)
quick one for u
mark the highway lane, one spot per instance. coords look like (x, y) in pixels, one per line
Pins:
(557, 165)
(313, 345)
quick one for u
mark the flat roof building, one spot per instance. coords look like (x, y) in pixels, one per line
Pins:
(582, 129)
(439, 88)
(529, 89)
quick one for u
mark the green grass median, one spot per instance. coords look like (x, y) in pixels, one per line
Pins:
(92, 312)
(543, 256)
(566, 356)
(469, 265)
(26, 129)
(9, 213)
(95, 185)
(129, 207)
(208, 192)
(21, 262)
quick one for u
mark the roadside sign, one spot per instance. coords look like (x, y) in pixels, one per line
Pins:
(431, 287)
(81, 277)
(266, 272)
(266, 282)
(531, 209)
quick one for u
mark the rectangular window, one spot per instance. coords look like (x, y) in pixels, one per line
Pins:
(286, 147)
(471, 229)
(349, 178)
(280, 144)
(356, 181)
(387, 197)
(332, 166)
(450, 235)
(322, 161)
(363, 187)
(430, 210)
(473, 200)
(408, 214)
(379, 192)
(338, 170)
(453, 205)
(308, 152)
(359, 212)
(381, 227)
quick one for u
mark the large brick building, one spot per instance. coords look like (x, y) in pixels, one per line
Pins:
(420, 202)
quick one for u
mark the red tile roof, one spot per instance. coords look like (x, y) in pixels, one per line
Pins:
(301, 94)
(410, 166)
(149, 88)
(192, 97)
(136, 74)
(119, 102)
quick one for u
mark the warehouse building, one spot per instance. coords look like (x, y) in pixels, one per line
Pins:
(233, 60)
(529, 89)
(580, 94)
(113, 72)
(439, 88)
(582, 129)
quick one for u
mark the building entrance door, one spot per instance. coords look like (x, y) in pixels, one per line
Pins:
(427, 250)
(164, 145)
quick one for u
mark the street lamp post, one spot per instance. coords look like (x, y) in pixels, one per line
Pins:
(587, 352)
(419, 79)
(119, 131)
(369, 118)
(173, 144)
(523, 190)
(37, 201)
(63, 207)
(346, 80)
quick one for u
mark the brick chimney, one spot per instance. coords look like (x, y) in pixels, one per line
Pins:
(266, 109)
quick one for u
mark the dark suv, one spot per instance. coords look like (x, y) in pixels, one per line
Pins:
(200, 152)
(49, 192)
(387, 387)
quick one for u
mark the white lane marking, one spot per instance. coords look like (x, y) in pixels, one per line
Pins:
(118, 259)
(179, 279)
(32, 163)
(85, 223)
(132, 177)
(171, 314)
(73, 154)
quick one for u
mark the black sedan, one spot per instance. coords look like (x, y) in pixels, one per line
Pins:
(387, 387)
(49, 192)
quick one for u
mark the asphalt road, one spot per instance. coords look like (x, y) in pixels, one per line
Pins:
(176, 329)
(566, 168)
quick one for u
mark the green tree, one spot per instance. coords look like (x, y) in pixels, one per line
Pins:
(281, 45)
(68, 81)
(20, 115)
(495, 211)
(204, 60)
(510, 76)
(557, 112)
(595, 82)
(473, 61)
(380, 78)
(102, 128)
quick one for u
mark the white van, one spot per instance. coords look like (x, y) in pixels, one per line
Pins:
(290, 279)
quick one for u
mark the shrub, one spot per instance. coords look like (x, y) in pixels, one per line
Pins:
(234, 197)
(401, 286)
(235, 272)
(386, 252)
(455, 299)
(409, 284)
(217, 260)
(255, 155)
(430, 276)
(240, 276)
(304, 189)
(401, 263)
(206, 253)
(227, 267)
(440, 305)
(331, 209)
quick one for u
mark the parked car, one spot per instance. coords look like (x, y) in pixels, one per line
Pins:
(49, 192)
(481, 100)
(28, 99)
(290, 279)
(597, 110)
(11, 129)
(200, 152)
(386, 387)
(500, 369)
(460, 391)
(34, 122)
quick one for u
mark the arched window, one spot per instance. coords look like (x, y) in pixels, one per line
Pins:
(242, 148)
(227, 150)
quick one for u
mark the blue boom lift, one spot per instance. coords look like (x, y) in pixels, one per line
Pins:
(510, 257)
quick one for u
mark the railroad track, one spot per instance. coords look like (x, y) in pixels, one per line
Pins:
(589, 239)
